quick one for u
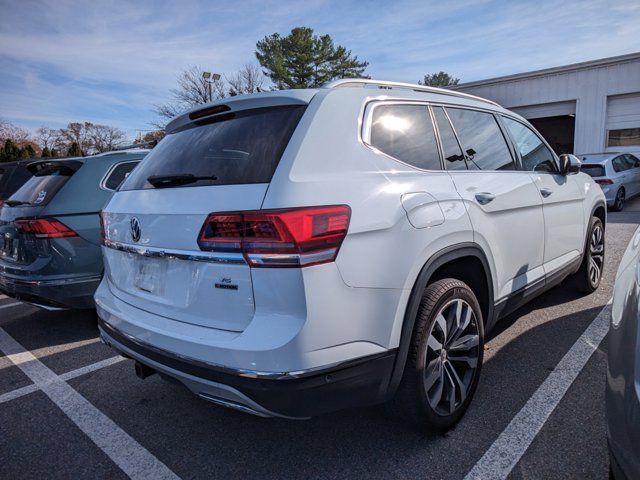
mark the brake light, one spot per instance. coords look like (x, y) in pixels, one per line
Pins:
(44, 228)
(604, 181)
(296, 237)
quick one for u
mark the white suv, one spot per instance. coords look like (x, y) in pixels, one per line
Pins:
(295, 252)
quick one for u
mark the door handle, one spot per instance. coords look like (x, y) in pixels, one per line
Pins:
(545, 192)
(485, 197)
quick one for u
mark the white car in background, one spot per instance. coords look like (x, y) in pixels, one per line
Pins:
(295, 252)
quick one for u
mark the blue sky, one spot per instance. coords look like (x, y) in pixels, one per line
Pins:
(109, 62)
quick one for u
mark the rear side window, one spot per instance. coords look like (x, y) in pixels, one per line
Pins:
(405, 132)
(485, 148)
(536, 157)
(117, 174)
(44, 184)
(593, 170)
(237, 148)
(453, 157)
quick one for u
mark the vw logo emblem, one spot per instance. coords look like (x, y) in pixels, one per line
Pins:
(135, 229)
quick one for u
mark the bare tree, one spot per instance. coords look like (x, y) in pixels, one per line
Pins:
(77, 132)
(103, 138)
(9, 131)
(193, 89)
(50, 138)
(249, 79)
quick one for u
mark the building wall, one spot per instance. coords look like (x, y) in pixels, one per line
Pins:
(587, 84)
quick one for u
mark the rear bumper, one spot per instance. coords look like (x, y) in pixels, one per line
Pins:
(71, 292)
(303, 394)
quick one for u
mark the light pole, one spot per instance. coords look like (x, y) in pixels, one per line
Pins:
(210, 78)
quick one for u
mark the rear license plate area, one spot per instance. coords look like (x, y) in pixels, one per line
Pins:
(150, 275)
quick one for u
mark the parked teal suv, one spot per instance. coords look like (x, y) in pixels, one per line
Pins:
(50, 229)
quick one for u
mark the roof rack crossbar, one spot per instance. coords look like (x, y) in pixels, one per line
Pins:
(347, 82)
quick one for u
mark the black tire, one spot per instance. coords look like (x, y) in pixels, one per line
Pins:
(415, 398)
(621, 198)
(584, 279)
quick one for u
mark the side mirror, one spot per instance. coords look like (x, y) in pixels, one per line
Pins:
(569, 164)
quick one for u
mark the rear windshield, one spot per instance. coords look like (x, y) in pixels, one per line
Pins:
(235, 148)
(593, 170)
(43, 186)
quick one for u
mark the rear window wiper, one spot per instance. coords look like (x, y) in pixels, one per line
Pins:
(15, 203)
(165, 181)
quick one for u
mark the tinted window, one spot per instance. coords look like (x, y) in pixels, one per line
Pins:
(619, 165)
(117, 175)
(44, 184)
(237, 148)
(593, 170)
(484, 145)
(453, 158)
(406, 132)
(631, 161)
(536, 157)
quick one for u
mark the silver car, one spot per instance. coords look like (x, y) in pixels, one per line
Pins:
(623, 373)
(618, 174)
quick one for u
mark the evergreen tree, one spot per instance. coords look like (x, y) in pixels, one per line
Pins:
(74, 150)
(439, 79)
(54, 153)
(303, 60)
(46, 153)
(10, 151)
(28, 151)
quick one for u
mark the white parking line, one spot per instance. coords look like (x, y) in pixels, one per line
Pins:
(515, 439)
(9, 305)
(129, 455)
(20, 392)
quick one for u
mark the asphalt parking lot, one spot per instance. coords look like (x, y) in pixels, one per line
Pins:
(78, 411)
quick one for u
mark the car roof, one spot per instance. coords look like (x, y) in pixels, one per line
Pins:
(364, 88)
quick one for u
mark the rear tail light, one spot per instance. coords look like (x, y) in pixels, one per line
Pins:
(604, 181)
(44, 228)
(296, 237)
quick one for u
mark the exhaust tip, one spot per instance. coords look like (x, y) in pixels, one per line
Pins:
(142, 371)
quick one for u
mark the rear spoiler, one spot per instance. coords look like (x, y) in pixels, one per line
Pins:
(47, 167)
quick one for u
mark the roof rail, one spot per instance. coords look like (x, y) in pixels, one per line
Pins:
(385, 85)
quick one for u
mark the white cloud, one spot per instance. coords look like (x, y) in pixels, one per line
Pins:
(110, 61)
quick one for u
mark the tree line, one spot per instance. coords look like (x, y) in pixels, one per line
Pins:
(299, 59)
(75, 140)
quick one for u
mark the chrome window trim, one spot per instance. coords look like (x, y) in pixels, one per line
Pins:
(110, 172)
(189, 255)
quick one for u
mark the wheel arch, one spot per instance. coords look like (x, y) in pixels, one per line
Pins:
(443, 262)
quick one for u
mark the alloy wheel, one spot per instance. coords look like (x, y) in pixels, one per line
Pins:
(620, 197)
(596, 254)
(452, 356)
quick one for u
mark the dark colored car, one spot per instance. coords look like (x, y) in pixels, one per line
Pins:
(623, 373)
(50, 229)
(12, 176)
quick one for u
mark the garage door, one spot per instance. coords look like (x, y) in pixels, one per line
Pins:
(623, 120)
(556, 109)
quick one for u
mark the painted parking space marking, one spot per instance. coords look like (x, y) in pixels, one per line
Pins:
(515, 439)
(120, 447)
(9, 305)
(20, 392)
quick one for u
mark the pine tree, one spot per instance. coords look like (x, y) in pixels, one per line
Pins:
(74, 150)
(303, 60)
(46, 153)
(440, 79)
